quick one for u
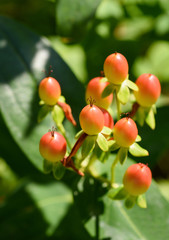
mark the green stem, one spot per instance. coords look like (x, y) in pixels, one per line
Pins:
(118, 106)
(113, 170)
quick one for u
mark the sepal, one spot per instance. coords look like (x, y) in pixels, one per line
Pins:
(138, 151)
(106, 130)
(58, 170)
(131, 85)
(88, 145)
(102, 142)
(123, 94)
(108, 90)
(122, 154)
(130, 201)
(47, 166)
(118, 193)
(150, 119)
(57, 115)
(43, 112)
(141, 201)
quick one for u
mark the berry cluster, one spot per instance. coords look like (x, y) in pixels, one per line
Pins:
(99, 135)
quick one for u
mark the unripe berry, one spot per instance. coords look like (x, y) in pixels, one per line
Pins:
(149, 89)
(95, 88)
(108, 120)
(91, 119)
(116, 68)
(137, 179)
(125, 132)
(52, 146)
(49, 90)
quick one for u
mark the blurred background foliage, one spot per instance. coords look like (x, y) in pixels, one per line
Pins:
(83, 33)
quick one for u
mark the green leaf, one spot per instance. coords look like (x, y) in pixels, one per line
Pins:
(150, 119)
(57, 115)
(43, 111)
(117, 193)
(123, 94)
(47, 166)
(102, 142)
(122, 154)
(108, 90)
(130, 202)
(58, 170)
(106, 130)
(88, 145)
(131, 85)
(141, 201)
(138, 151)
(21, 96)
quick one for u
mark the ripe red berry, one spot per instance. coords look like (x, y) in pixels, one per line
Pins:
(149, 89)
(125, 132)
(108, 120)
(137, 179)
(95, 88)
(49, 90)
(52, 146)
(116, 68)
(91, 119)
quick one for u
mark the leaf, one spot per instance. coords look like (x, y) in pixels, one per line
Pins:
(57, 115)
(108, 90)
(123, 94)
(130, 84)
(47, 166)
(88, 145)
(122, 154)
(106, 130)
(141, 201)
(58, 170)
(43, 111)
(102, 142)
(138, 151)
(150, 119)
(117, 193)
(19, 85)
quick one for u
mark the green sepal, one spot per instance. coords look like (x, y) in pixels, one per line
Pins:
(57, 115)
(58, 170)
(140, 116)
(79, 134)
(138, 138)
(99, 154)
(106, 130)
(62, 99)
(113, 145)
(123, 94)
(131, 85)
(141, 201)
(108, 90)
(122, 154)
(47, 166)
(102, 142)
(43, 112)
(118, 193)
(41, 102)
(138, 151)
(150, 119)
(130, 201)
(88, 145)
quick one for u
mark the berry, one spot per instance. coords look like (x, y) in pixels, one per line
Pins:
(125, 132)
(52, 146)
(91, 119)
(95, 88)
(108, 120)
(137, 179)
(49, 90)
(116, 68)
(149, 89)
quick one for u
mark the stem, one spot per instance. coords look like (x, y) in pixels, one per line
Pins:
(118, 106)
(113, 170)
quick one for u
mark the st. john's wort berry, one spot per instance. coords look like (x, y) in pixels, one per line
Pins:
(116, 68)
(137, 179)
(91, 119)
(125, 132)
(52, 146)
(149, 89)
(95, 89)
(49, 90)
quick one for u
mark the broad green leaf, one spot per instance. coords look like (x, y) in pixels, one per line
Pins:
(106, 130)
(141, 201)
(58, 170)
(88, 145)
(150, 119)
(117, 193)
(108, 90)
(123, 94)
(47, 166)
(43, 111)
(102, 142)
(131, 85)
(27, 55)
(138, 151)
(57, 114)
(122, 154)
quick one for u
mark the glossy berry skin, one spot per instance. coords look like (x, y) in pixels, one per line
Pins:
(91, 120)
(108, 120)
(137, 179)
(52, 146)
(95, 88)
(49, 90)
(116, 68)
(149, 89)
(125, 132)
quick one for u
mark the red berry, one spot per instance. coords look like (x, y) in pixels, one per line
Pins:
(137, 179)
(149, 89)
(95, 88)
(125, 132)
(52, 146)
(108, 120)
(116, 68)
(49, 90)
(91, 119)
